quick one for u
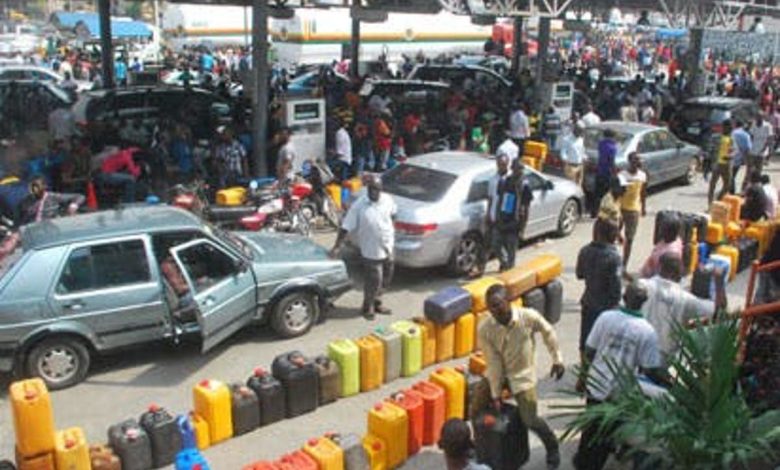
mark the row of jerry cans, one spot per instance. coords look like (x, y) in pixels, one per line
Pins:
(451, 303)
(398, 428)
(151, 442)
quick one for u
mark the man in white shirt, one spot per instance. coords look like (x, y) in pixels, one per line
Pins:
(590, 118)
(622, 338)
(669, 304)
(762, 134)
(771, 196)
(519, 126)
(370, 221)
(343, 161)
(573, 155)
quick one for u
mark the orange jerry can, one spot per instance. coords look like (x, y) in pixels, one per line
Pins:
(715, 233)
(298, 460)
(353, 185)
(201, 430)
(372, 362)
(762, 232)
(733, 230)
(213, 403)
(732, 253)
(376, 449)
(454, 385)
(262, 465)
(435, 409)
(547, 267)
(445, 341)
(334, 191)
(43, 461)
(533, 148)
(518, 281)
(735, 206)
(477, 363)
(478, 290)
(391, 424)
(327, 454)
(480, 319)
(412, 403)
(720, 212)
(71, 451)
(464, 335)
(33, 417)
(428, 329)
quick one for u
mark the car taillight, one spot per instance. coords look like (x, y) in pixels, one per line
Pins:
(415, 229)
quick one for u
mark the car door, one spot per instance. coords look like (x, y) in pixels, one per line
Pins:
(673, 161)
(652, 158)
(475, 207)
(223, 289)
(110, 288)
(545, 207)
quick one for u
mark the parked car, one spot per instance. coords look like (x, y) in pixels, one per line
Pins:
(699, 118)
(39, 98)
(499, 64)
(664, 157)
(455, 74)
(442, 203)
(307, 83)
(202, 110)
(93, 283)
(33, 72)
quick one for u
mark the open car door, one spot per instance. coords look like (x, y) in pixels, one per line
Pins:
(222, 286)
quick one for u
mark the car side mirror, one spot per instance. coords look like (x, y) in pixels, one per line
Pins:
(549, 185)
(679, 145)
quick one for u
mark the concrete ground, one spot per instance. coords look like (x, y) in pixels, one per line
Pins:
(123, 385)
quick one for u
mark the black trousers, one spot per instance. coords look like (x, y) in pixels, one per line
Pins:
(379, 274)
(593, 450)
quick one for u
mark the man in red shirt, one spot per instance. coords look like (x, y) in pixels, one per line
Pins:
(121, 170)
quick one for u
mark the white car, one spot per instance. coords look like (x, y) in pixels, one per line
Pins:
(34, 72)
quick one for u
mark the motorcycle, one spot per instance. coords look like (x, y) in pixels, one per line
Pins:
(319, 202)
(267, 207)
(282, 213)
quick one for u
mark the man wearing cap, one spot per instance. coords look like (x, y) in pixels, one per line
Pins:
(370, 221)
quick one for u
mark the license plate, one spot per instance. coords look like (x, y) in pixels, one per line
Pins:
(693, 130)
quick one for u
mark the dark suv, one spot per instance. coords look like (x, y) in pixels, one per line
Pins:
(202, 110)
(698, 118)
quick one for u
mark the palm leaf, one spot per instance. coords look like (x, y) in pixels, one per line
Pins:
(703, 422)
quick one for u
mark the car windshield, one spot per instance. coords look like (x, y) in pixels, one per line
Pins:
(703, 113)
(229, 239)
(417, 183)
(594, 135)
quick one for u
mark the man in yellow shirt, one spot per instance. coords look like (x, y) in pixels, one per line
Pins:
(724, 151)
(632, 203)
(507, 338)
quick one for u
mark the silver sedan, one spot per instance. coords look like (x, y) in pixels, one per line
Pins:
(442, 202)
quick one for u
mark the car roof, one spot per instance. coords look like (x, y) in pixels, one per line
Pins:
(24, 67)
(718, 101)
(144, 89)
(107, 224)
(626, 127)
(454, 162)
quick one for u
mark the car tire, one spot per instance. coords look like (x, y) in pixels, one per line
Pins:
(466, 255)
(567, 220)
(294, 314)
(60, 361)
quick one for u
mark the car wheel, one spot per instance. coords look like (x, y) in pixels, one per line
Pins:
(567, 220)
(60, 361)
(295, 314)
(690, 174)
(467, 254)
